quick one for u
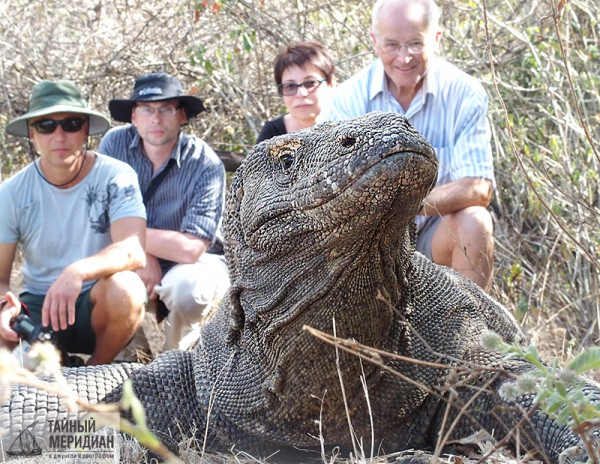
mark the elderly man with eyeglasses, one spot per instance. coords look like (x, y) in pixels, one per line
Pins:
(79, 220)
(183, 184)
(449, 108)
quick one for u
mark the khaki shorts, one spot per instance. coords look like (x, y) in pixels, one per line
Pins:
(425, 235)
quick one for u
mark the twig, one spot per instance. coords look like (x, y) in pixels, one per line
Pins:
(518, 157)
(339, 371)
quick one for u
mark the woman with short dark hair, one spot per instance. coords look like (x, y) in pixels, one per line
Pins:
(304, 74)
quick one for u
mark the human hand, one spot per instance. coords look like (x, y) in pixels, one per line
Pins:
(151, 275)
(9, 307)
(59, 304)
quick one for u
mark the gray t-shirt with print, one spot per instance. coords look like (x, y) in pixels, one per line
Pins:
(56, 227)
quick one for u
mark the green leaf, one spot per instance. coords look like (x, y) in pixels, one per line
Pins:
(531, 354)
(247, 42)
(555, 402)
(561, 389)
(586, 360)
(564, 416)
(132, 402)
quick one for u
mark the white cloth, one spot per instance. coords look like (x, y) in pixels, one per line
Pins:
(190, 291)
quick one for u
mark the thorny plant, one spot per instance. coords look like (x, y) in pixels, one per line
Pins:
(559, 392)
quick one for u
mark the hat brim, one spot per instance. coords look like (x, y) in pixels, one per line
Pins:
(98, 123)
(120, 110)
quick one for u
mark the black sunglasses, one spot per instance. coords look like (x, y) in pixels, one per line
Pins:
(47, 126)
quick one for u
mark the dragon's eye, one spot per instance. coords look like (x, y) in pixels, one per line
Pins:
(347, 141)
(286, 160)
(284, 154)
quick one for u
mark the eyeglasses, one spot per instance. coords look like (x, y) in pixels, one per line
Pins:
(47, 126)
(414, 47)
(291, 88)
(149, 111)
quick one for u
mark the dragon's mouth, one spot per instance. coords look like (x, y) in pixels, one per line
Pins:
(394, 171)
(363, 185)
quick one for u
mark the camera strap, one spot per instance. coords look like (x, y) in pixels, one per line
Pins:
(155, 183)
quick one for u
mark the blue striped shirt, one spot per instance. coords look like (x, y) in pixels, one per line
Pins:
(449, 110)
(190, 198)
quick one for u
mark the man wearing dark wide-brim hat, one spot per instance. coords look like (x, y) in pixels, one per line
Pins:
(79, 219)
(183, 184)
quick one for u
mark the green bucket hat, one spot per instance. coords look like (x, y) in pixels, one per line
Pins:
(48, 97)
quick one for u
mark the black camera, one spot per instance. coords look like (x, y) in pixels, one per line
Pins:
(32, 333)
(28, 330)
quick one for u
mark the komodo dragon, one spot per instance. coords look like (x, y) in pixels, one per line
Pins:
(319, 231)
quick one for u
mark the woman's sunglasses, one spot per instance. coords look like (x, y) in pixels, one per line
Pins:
(291, 88)
(47, 126)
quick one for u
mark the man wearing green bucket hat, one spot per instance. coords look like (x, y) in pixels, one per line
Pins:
(79, 219)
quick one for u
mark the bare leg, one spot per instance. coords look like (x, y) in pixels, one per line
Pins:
(118, 311)
(464, 241)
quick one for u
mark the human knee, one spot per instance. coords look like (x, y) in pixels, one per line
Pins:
(191, 290)
(474, 221)
(191, 300)
(122, 290)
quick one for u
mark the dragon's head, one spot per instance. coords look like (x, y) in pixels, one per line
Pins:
(329, 185)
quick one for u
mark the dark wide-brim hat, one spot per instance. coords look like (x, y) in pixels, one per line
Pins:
(155, 87)
(49, 97)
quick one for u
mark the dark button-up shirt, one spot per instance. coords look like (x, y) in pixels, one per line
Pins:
(190, 198)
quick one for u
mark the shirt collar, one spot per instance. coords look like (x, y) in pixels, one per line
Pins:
(431, 77)
(176, 154)
(378, 81)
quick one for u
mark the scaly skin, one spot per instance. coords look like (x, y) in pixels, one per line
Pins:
(319, 227)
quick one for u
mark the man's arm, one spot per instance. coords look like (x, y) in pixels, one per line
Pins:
(202, 215)
(9, 308)
(466, 164)
(7, 258)
(179, 247)
(126, 253)
(171, 245)
(457, 195)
